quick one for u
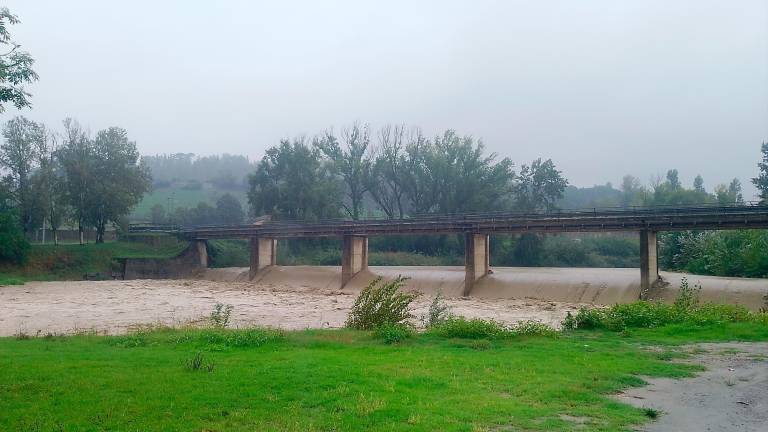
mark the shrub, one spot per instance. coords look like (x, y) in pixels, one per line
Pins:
(381, 303)
(687, 297)
(393, 333)
(219, 338)
(221, 314)
(460, 327)
(533, 328)
(438, 312)
(13, 246)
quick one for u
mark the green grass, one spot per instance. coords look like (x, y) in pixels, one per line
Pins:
(342, 380)
(72, 261)
(181, 198)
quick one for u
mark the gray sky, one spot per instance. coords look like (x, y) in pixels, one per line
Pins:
(604, 88)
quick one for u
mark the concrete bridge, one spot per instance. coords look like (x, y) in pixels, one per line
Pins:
(477, 228)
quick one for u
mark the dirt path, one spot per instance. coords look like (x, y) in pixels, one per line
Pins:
(731, 395)
(116, 306)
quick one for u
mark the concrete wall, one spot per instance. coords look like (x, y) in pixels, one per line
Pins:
(192, 261)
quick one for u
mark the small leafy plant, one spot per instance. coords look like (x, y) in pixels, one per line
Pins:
(198, 363)
(438, 312)
(221, 315)
(460, 327)
(381, 303)
(394, 333)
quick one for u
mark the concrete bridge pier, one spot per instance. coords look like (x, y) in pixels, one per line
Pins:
(354, 257)
(202, 252)
(649, 261)
(476, 259)
(263, 254)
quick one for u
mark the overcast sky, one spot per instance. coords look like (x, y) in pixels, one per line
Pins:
(604, 88)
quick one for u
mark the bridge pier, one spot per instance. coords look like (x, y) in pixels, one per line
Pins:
(263, 254)
(476, 259)
(202, 252)
(354, 257)
(649, 261)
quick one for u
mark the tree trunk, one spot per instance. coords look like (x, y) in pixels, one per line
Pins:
(80, 231)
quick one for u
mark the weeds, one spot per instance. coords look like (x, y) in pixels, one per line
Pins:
(380, 304)
(198, 363)
(687, 297)
(533, 328)
(651, 413)
(461, 327)
(221, 315)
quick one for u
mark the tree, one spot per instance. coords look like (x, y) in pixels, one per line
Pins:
(122, 179)
(385, 182)
(25, 140)
(538, 186)
(157, 214)
(291, 182)
(698, 184)
(76, 156)
(15, 66)
(673, 179)
(352, 162)
(229, 210)
(761, 181)
(632, 192)
(13, 245)
(731, 194)
(49, 186)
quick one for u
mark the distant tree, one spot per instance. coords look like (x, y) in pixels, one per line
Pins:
(25, 140)
(229, 210)
(633, 193)
(203, 214)
(673, 179)
(49, 187)
(15, 66)
(538, 186)
(13, 245)
(291, 182)
(731, 194)
(157, 214)
(698, 184)
(351, 161)
(761, 181)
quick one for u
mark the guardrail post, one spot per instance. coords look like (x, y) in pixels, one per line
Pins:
(263, 254)
(354, 257)
(476, 259)
(649, 261)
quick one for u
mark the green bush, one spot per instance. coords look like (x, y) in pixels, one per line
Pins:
(14, 248)
(533, 328)
(438, 312)
(460, 327)
(381, 303)
(394, 333)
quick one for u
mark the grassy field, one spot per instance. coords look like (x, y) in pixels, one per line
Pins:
(346, 380)
(72, 261)
(181, 197)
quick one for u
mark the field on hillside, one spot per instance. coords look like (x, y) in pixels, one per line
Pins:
(179, 196)
(259, 379)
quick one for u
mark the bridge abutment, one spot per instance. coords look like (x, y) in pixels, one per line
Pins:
(263, 254)
(649, 262)
(476, 259)
(354, 257)
(202, 252)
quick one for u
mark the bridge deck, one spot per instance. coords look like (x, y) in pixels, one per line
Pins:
(594, 220)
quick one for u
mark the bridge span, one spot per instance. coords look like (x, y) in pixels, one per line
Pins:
(477, 228)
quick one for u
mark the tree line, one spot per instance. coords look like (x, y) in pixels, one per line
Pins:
(70, 177)
(394, 173)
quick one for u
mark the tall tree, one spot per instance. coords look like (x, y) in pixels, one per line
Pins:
(15, 66)
(761, 181)
(19, 153)
(730, 194)
(538, 186)
(292, 182)
(385, 182)
(122, 179)
(76, 156)
(698, 184)
(351, 161)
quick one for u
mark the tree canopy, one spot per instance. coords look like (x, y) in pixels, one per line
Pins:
(15, 65)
